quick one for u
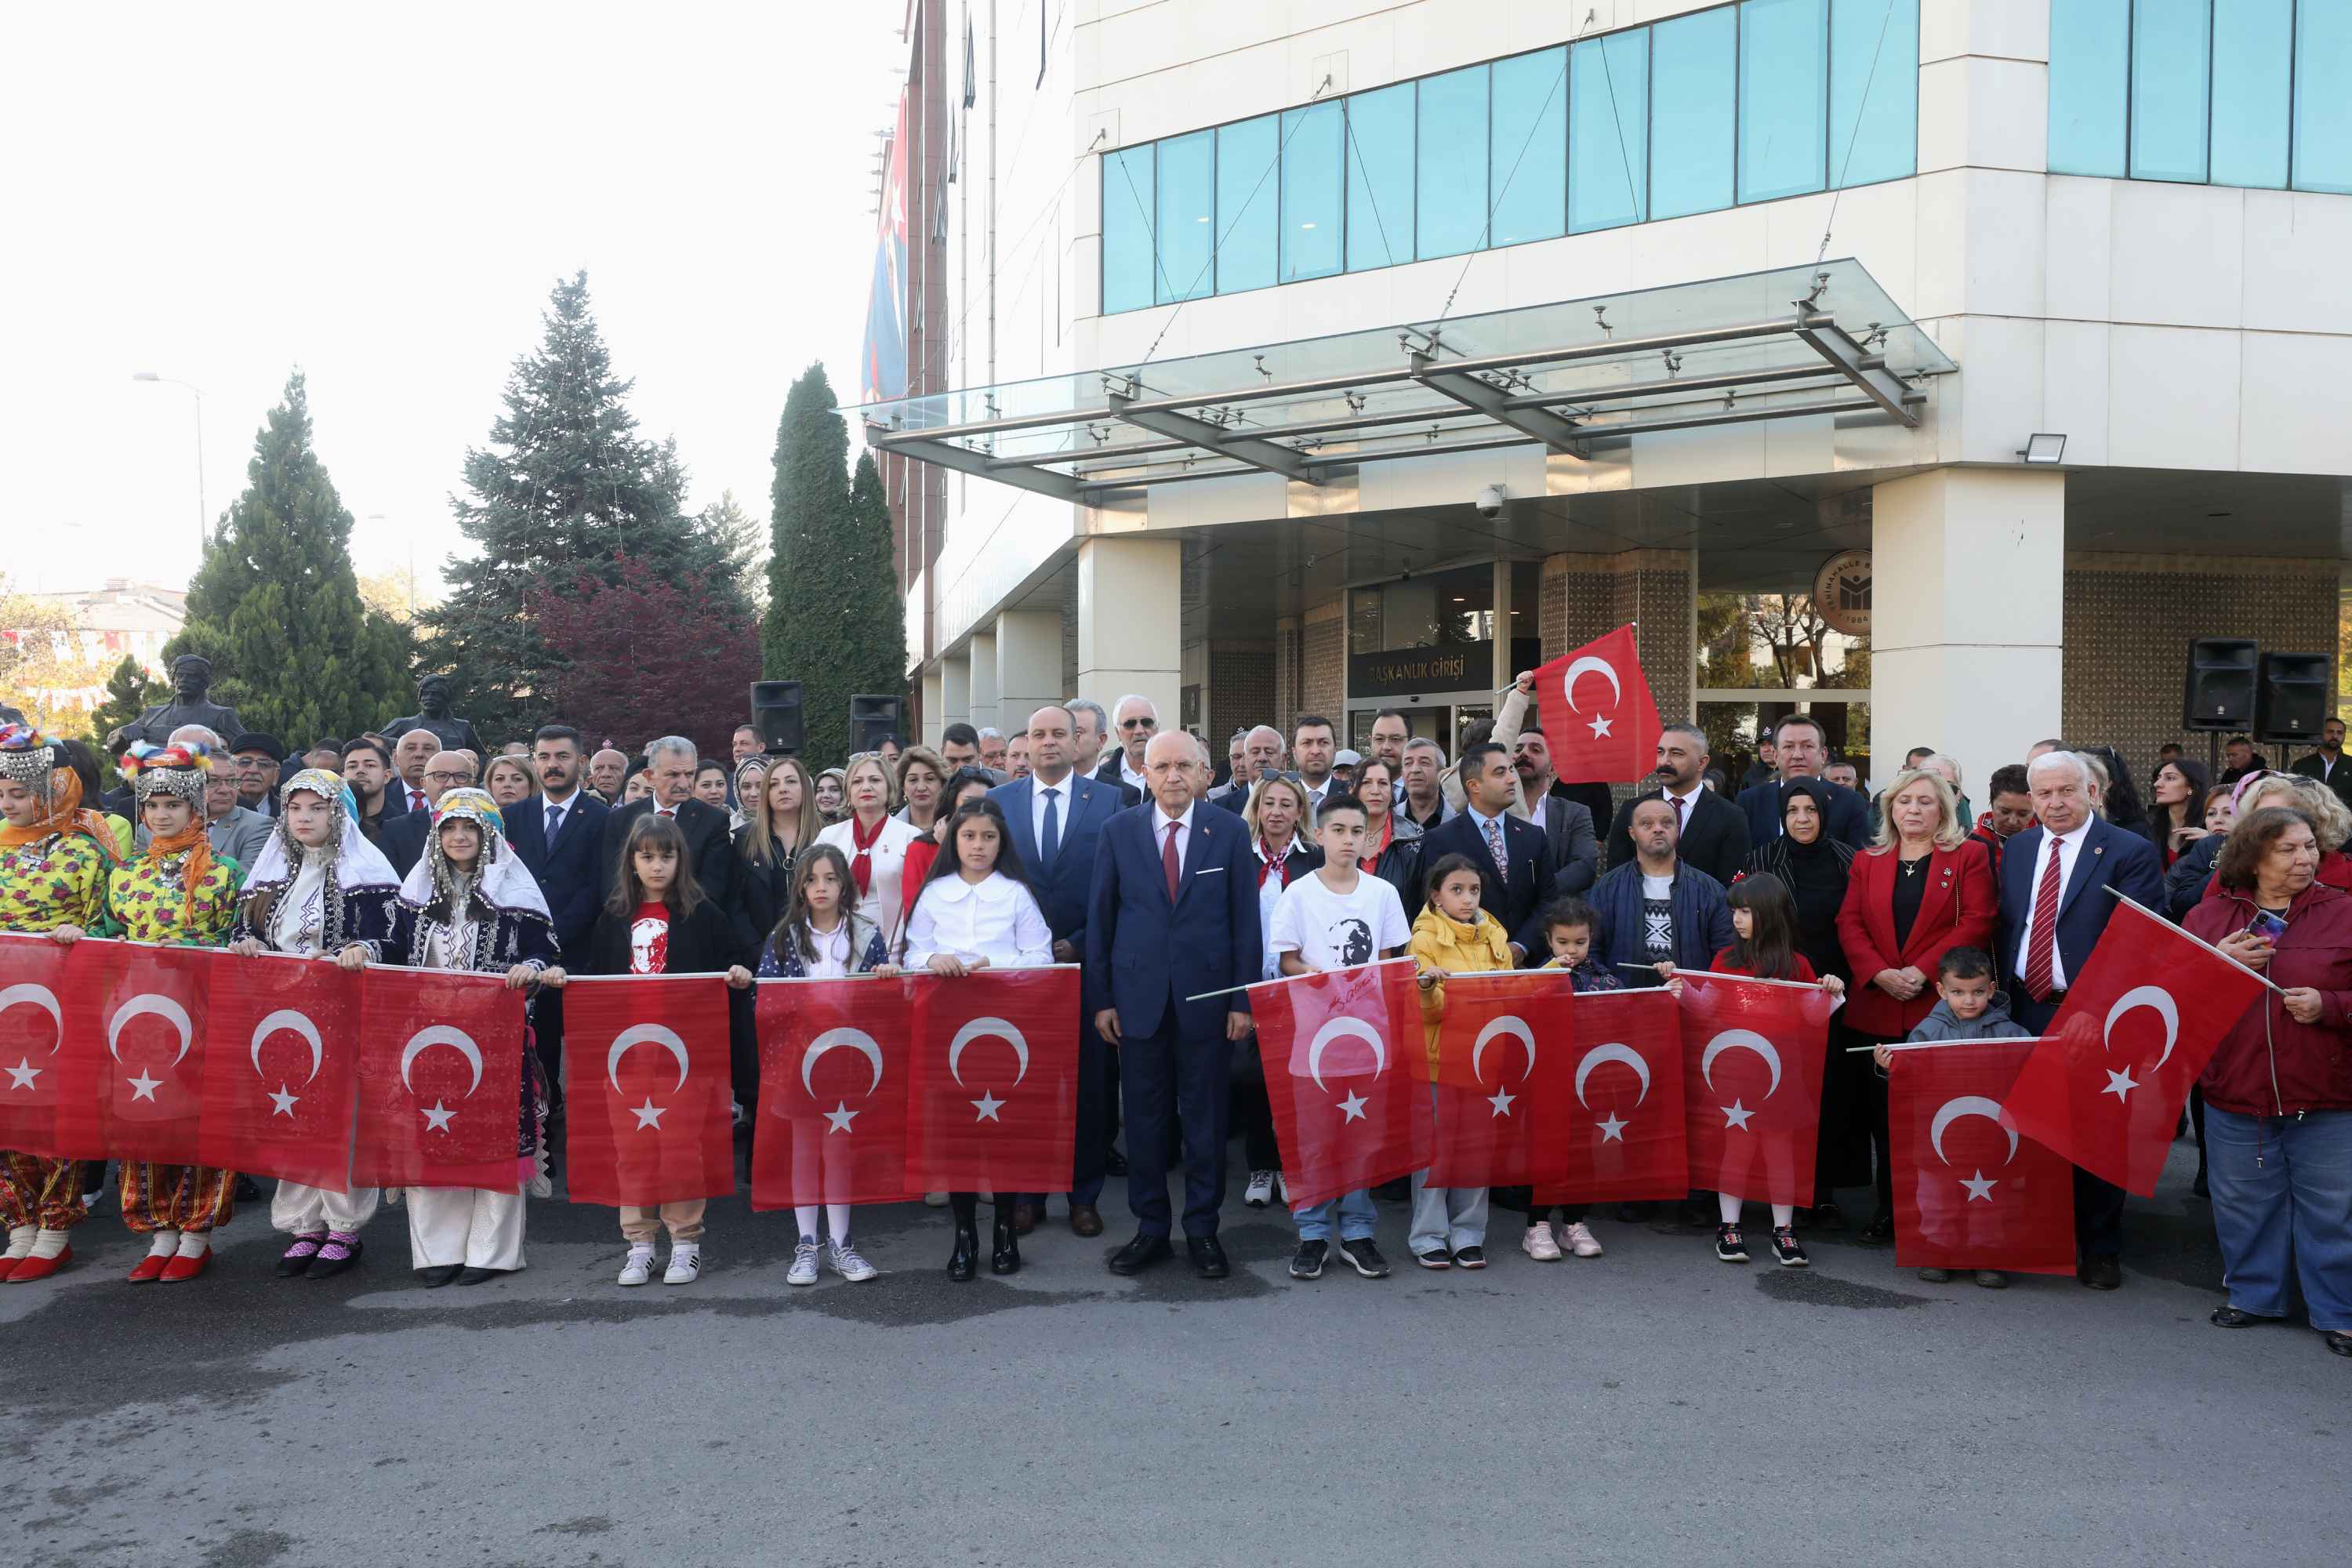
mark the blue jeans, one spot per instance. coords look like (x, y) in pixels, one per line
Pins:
(1355, 1214)
(2282, 1200)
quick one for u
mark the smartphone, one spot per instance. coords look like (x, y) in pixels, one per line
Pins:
(2267, 926)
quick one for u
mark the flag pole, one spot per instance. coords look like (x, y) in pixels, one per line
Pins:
(1712, 975)
(1285, 980)
(2199, 941)
(1939, 1045)
(902, 975)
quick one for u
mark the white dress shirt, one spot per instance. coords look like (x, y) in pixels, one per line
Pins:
(1160, 820)
(2067, 848)
(996, 918)
(1140, 782)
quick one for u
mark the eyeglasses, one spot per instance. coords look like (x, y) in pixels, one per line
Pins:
(444, 777)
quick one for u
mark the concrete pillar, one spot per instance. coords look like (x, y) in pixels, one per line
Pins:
(1130, 636)
(933, 686)
(955, 696)
(1968, 605)
(983, 681)
(1028, 644)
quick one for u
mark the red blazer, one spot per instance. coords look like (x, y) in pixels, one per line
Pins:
(1959, 908)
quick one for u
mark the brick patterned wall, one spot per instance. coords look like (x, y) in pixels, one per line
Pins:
(1289, 648)
(1242, 689)
(1323, 674)
(1586, 596)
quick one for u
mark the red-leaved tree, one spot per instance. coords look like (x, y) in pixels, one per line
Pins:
(639, 658)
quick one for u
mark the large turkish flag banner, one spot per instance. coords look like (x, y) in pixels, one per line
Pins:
(133, 1085)
(440, 1081)
(1504, 1060)
(32, 985)
(993, 1099)
(2106, 1085)
(649, 1105)
(1624, 1103)
(1346, 1073)
(1604, 727)
(834, 1068)
(1752, 1053)
(281, 1099)
(1969, 1192)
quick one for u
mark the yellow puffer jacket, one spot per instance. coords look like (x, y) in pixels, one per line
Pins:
(1441, 942)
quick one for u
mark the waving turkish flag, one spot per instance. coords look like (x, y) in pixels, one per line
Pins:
(1503, 1061)
(1606, 727)
(279, 1099)
(32, 1039)
(649, 1113)
(1623, 1102)
(2106, 1085)
(440, 1081)
(1752, 1054)
(834, 1071)
(1969, 1192)
(1346, 1073)
(134, 1073)
(993, 1099)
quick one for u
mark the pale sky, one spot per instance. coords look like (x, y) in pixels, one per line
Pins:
(384, 196)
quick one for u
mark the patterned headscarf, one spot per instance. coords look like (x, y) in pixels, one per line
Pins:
(500, 878)
(179, 770)
(32, 759)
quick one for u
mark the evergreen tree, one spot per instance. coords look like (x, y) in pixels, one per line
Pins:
(275, 606)
(129, 693)
(837, 621)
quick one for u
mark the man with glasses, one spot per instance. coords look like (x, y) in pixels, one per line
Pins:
(404, 841)
(1138, 720)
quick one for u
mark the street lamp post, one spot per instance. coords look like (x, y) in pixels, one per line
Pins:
(203, 510)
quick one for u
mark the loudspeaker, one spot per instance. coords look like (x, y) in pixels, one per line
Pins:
(2295, 697)
(2219, 691)
(871, 720)
(776, 715)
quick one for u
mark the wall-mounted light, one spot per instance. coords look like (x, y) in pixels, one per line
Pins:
(2044, 448)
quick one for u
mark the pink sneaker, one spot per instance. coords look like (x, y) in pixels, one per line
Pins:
(1581, 1240)
(1538, 1242)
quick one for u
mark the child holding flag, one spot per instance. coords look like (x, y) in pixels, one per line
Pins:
(1452, 935)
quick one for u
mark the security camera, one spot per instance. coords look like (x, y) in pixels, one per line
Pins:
(1490, 501)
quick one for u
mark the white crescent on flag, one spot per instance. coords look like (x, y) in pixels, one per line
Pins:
(857, 1039)
(1589, 663)
(2156, 998)
(1611, 1052)
(1509, 1023)
(441, 1035)
(981, 1028)
(163, 1007)
(287, 1019)
(1969, 1105)
(1740, 1039)
(40, 996)
(1335, 1029)
(638, 1035)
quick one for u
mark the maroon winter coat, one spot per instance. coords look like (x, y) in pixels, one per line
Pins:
(2269, 1065)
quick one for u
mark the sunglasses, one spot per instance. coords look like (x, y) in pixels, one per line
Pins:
(1139, 723)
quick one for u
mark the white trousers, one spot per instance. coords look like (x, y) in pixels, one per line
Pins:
(464, 1225)
(306, 1211)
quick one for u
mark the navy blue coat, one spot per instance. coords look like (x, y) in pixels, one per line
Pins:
(1702, 921)
(1145, 956)
(1063, 895)
(2110, 857)
(403, 840)
(567, 870)
(1848, 814)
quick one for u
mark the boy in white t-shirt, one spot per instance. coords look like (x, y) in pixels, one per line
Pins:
(1336, 919)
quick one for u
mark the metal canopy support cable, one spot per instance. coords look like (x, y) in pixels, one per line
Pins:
(1250, 449)
(1485, 397)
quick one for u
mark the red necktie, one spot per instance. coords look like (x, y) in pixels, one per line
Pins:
(2041, 942)
(416, 800)
(1679, 804)
(1168, 860)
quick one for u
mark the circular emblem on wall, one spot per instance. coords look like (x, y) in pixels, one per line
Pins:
(1842, 592)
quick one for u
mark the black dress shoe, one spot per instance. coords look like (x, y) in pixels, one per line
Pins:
(1208, 1257)
(1880, 1230)
(1024, 1219)
(434, 1278)
(479, 1275)
(2233, 1318)
(2100, 1273)
(2337, 1341)
(328, 1267)
(1005, 1251)
(964, 1261)
(1140, 1254)
(246, 1192)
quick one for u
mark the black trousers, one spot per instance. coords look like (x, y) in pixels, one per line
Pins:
(1192, 1079)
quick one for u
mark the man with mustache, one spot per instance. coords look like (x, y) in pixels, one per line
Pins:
(1710, 832)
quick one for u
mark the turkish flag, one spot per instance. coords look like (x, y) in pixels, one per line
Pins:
(32, 1038)
(440, 1081)
(1608, 728)
(834, 1072)
(1503, 1061)
(279, 1099)
(1345, 1071)
(1752, 1054)
(993, 1099)
(649, 1104)
(135, 1074)
(1969, 1192)
(1623, 1102)
(2106, 1085)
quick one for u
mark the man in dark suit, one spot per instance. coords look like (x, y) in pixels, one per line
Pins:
(404, 838)
(1802, 753)
(1710, 832)
(671, 763)
(2054, 905)
(1564, 811)
(2328, 764)
(1056, 820)
(1173, 914)
(556, 835)
(367, 768)
(1516, 875)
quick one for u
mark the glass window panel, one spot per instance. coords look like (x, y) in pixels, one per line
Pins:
(2252, 47)
(1379, 177)
(1450, 204)
(1609, 90)
(1783, 97)
(2323, 108)
(1127, 260)
(1188, 177)
(2169, 51)
(1527, 147)
(1873, 90)
(1693, 65)
(1249, 204)
(1311, 190)
(2088, 86)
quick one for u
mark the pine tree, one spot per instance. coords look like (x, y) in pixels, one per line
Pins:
(129, 693)
(275, 606)
(835, 621)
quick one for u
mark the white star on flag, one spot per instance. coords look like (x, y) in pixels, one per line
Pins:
(1979, 1187)
(1599, 727)
(1612, 1130)
(1501, 1100)
(988, 1105)
(648, 1115)
(436, 1120)
(1735, 1114)
(24, 1073)
(841, 1116)
(282, 1103)
(143, 1087)
(1352, 1107)
(2120, 1084)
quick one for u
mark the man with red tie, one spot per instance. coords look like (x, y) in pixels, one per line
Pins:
(2054, 905)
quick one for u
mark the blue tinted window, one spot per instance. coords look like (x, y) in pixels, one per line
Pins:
(1311, 190)
(1692, 63)
(1188, 178)
(1783, 97)
(2170, 39)
(1379, 177)
(2323, 108)
(1127, 260)
(1608, 87)
(1527, 147)
(1249, 204)
(1873, 90)
(2252, 50)
(1451, 163)
(2088, 86)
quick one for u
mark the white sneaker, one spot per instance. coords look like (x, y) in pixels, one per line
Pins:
(1281, 1190)
(1581, 1240)
(935, 1200)
(1538, 1242)
(639, 1266)
(1260, 1191)
(849, 1266)
(685, 1263)
(803, 1270)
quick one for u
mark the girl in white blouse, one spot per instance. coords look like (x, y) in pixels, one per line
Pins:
(875, 843)
(975, 912)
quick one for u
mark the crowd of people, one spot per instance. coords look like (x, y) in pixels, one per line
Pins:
(1096, 836)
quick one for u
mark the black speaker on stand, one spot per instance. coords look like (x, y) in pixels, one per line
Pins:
(871, 720)
(2292, 698)
(2218, 694)
(776, 715)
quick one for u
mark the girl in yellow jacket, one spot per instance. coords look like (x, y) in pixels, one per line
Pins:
(1452, 934)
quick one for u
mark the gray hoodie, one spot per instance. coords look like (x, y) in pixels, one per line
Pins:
(1994, 1023)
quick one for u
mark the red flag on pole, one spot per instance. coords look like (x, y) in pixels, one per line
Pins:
(2106, 1085)
(135, 1069)
(440, 1081)
(993, 1099)
(280, 1098)
(1623, 1102)
(1605, 727)
(1346, 1073)
(1969, 1192)
(33, 985)
(1752, 1054)
(1503, 1067)
(834, 1071)
(647, 1095)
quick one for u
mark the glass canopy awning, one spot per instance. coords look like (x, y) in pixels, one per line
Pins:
(1576, 377)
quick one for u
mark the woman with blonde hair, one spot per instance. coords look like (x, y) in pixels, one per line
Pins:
(875, 843)
(510, 782)
(1281, 817)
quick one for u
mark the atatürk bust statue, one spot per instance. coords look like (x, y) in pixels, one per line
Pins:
(433, 700)
(192, 677)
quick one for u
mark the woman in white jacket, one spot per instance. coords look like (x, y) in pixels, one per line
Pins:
(875, 843)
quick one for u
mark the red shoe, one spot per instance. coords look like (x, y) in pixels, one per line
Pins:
(150, 1267)
(182, 1267)
(28, 1269)
(9, 1268)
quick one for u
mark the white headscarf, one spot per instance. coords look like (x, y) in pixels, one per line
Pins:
(358, 864)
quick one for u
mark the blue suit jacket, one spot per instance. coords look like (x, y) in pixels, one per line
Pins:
(1063, 895)
(1702, 921)
(2110, 857)
(1144, 954)
(567, 870)
(1849, 814)
(404, 840)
